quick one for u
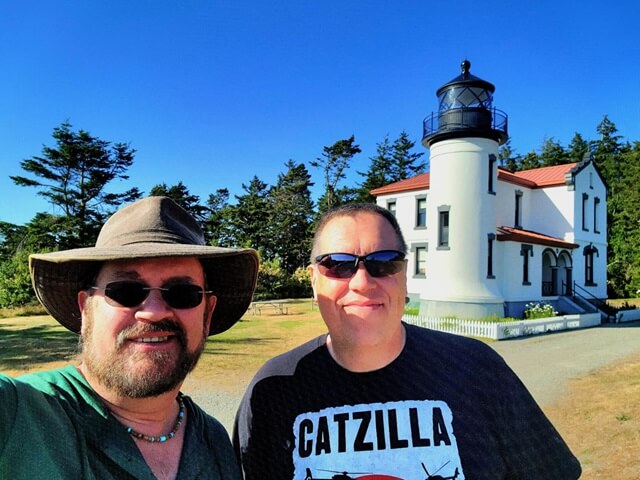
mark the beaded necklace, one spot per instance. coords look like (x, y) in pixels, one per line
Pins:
(168, 436)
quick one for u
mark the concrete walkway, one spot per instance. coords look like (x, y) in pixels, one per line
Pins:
(546, 363)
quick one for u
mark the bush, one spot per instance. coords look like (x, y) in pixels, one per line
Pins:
(15, 282)
(535, 310)
(274, 282)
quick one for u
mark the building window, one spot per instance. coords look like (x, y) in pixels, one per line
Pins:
(596, 207)
(526, 251)
(492, 168)
(421, 212)
(518, 213)
(585, 205)
(490, 238)
(391, 206)
(443, 227)
(589, 253)
(420, 265)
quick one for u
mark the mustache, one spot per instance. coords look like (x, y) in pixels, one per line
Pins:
(146, 328)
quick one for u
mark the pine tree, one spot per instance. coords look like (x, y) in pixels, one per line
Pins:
(251, 216)
(553, 153)
(73, 176)
(404, 164)
(333, 163)
(577, 148)
(291, 217)
(180, 194)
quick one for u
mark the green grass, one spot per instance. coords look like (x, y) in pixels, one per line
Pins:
(31, 343)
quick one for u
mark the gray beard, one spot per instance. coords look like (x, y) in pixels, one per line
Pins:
(166, 372)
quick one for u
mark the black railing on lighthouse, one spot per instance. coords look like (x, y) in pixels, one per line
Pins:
(465, 118)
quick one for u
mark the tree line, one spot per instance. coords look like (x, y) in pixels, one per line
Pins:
(79, 175)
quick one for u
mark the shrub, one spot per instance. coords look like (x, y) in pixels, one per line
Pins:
(535, 310)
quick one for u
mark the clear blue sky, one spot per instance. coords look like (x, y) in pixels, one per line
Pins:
(211, 93)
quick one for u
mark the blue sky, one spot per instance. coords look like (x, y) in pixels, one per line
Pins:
(211, 93)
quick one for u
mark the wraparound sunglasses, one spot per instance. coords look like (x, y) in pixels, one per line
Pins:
(344, 265)
(131, 294)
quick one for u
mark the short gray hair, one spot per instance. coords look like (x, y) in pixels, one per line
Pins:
(351, 210)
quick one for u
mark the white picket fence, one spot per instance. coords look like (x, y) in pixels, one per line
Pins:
(502, 330)
(627, 316)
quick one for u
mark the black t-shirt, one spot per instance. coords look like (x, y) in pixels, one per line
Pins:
(447, 408)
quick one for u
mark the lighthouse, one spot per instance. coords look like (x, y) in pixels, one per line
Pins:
(463, 137)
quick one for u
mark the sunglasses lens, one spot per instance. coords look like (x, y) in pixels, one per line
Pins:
(126, 294)
(132, 294)
(384, 263)
(183, 295)
(344, 265)
(338, 265)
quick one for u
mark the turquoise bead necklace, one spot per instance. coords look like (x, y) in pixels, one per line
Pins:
(168, 436)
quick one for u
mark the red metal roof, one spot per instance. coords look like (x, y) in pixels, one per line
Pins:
(546, 176)
(510, 234)
(419, 182)
(535, 178)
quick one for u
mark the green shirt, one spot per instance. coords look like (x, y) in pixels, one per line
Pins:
(54, 426)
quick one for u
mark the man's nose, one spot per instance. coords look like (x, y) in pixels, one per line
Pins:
(361, 279)
(153, 307)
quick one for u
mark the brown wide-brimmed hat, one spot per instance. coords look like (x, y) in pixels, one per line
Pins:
(154, 227)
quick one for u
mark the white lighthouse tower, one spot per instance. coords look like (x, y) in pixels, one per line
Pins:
(463, 138)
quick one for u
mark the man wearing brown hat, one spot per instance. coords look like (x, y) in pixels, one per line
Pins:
(143, 300)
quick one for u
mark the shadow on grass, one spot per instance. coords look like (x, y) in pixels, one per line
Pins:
(34, 345)
(236, 346)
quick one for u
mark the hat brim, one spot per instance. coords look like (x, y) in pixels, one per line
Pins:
(58, 277)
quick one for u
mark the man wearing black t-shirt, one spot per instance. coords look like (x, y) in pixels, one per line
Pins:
(376, 398)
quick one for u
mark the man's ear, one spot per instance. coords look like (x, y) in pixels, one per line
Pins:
(313, 275)
(211, 306)
(83, 298)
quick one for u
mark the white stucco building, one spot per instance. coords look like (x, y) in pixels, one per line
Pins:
(484, 241)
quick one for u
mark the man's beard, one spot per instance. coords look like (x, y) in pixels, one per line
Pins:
(114, 371)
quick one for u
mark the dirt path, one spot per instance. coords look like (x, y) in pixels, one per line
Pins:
(544, 363)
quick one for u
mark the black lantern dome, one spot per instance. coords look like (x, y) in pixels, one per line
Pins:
(465, 110)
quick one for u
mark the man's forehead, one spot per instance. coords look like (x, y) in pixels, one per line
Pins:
(364, 227)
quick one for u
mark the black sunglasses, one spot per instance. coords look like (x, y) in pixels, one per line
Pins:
(131, 294)
(344, 265)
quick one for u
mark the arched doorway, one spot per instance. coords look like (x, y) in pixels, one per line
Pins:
(565, 272)
(549, 273)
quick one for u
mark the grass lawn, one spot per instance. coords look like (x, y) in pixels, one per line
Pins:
(599, 417)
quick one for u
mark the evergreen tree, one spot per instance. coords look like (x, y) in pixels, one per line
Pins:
(404, 164)
(577, 148)
(333, 163)
(617, 164)
(217, 225)
(291, 217)
(392, 163)
(530, 161)
(607, 150)
(73, 176)
(379, 173)
(251, 217)
(624, 229)
(507, 158)
(553, 154)
(180, 194)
